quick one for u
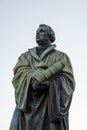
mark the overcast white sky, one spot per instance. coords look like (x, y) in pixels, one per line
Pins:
(19, 20)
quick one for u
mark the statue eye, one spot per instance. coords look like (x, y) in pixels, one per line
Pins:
(42, 30)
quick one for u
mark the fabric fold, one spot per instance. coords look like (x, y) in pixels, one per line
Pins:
(59, 98)
(21, 83)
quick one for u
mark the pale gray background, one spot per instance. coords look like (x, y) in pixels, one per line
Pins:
(19, 20)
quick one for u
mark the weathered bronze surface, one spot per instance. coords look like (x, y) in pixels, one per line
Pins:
(44, 84)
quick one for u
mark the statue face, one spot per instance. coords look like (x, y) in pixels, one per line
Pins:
(42, 36)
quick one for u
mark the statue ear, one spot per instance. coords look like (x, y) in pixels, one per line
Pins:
(51, 38)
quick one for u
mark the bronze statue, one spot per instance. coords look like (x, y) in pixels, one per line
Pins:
(44, 84)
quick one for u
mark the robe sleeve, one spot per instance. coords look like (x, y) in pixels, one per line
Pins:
(61, 91)
(21, 81)
(49, 72)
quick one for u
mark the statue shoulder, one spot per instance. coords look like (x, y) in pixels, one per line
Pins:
(27, 53)
(63, 54)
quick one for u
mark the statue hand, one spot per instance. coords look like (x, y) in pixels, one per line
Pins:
(36, 72)
(40, 85)
(35, 84)
(45, 84)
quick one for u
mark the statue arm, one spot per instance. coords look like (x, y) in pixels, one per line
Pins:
(52, 70)
(62, 66)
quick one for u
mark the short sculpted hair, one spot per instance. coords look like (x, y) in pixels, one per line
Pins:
(49, 30)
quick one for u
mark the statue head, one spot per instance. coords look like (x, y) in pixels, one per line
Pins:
(45, 34)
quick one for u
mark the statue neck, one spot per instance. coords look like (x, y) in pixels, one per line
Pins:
(41, 48)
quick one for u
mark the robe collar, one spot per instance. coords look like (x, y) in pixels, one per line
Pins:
(45, 52)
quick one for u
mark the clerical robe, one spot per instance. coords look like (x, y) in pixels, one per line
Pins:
(43, 109)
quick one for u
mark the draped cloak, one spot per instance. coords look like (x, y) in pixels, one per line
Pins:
(44, 109)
